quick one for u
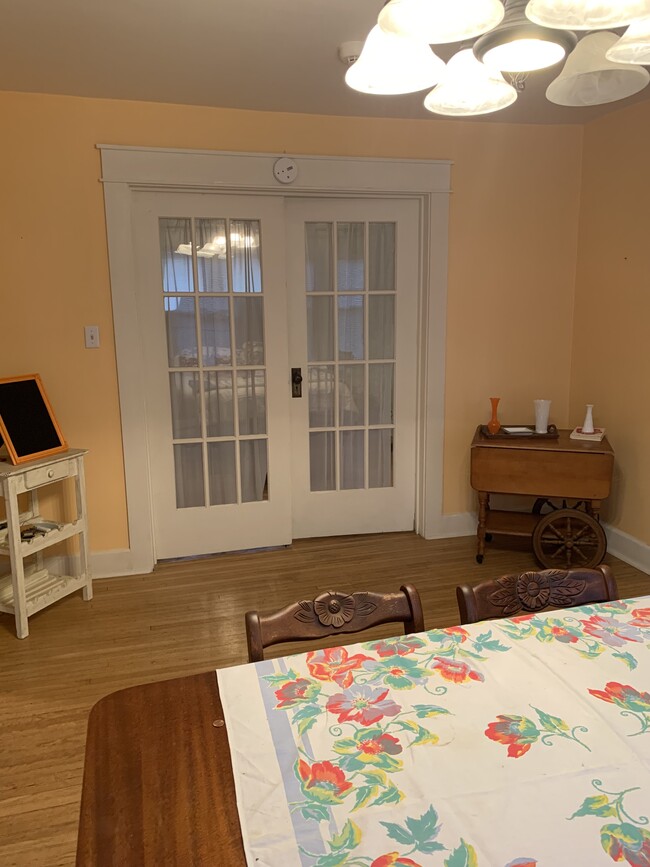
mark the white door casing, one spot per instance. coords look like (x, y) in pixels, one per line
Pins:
(126, 170)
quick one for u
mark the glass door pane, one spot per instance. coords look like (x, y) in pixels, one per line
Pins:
(212, 294)
(351, 353)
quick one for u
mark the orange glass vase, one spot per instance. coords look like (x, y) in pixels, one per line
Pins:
(494, 425)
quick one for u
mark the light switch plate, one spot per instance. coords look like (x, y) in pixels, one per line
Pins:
(91, 336)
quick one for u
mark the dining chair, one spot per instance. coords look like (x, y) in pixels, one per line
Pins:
(332, 613)
(535, 591)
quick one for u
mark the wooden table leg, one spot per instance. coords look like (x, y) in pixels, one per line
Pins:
(483, 503)
(593, 508)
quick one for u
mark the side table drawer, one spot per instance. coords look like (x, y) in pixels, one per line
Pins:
(43, 475)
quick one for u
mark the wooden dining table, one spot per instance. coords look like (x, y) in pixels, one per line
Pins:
(158, 786)
(517, 741)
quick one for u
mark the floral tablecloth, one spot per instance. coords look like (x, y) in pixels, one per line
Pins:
(508, 743)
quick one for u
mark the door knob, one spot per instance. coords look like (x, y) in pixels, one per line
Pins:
(296, 382)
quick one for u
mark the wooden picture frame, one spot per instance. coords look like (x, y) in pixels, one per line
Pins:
(28, 425)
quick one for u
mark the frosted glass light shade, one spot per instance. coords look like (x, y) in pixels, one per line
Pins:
(524, 55)
(586, 14)
(588, 78)
(518, 45)
(469, 88)
(634, 44)
(438, 21)
(394, 64)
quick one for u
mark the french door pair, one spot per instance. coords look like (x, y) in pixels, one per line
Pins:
(279, 346)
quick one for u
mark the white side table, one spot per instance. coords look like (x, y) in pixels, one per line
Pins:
(31, 586)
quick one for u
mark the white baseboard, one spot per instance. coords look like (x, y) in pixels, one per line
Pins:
(112, 564)
(450, 526)
(627, 548)
(620, 544)
(103, 564)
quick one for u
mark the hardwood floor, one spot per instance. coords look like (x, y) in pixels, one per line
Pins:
(184, 618)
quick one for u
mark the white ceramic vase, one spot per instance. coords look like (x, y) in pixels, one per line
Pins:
(588, 423)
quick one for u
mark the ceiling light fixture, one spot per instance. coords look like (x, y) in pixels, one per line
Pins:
(519, 45)
(207, 251)
(217, 246)
(588, 78)
(634, 44)
(515, 37)
(390, 64)
(586, 14)
(469, 87)
(440, 21)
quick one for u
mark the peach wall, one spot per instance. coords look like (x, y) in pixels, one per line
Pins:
(611, 361)
(513, 225)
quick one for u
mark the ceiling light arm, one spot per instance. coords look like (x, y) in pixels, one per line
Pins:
(517, 80)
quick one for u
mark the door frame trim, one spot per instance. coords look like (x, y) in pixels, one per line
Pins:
(128, 170)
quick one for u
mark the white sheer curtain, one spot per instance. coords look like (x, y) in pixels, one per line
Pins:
(176, 254)
(188, 466)
(254, 470)
(222, 474)
(355, 389)
(230, 336)
(211, 246)
(381, 346)
(249, 350)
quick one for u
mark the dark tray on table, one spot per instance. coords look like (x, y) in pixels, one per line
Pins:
(551, 434)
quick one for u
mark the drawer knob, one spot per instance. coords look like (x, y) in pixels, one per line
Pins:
(50, 474)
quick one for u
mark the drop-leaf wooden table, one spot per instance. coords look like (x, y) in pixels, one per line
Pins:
(559, 468)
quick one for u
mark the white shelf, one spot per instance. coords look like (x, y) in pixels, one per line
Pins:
(51, 537)
(31, 586)
(41, 589)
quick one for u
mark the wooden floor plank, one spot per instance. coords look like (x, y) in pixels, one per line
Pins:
(186, 617)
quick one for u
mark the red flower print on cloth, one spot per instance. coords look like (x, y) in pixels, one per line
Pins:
(640, 618)
(562, 634)
(624, 696)
(335, 664)
(626, 842)
(457, 633)
(518, 732)
(296, 691)
(393, 859)
(369, 746)
(611, 631)
(362, 704)
(323, 781)
(456, 672)
(379, 744)
(522, 618)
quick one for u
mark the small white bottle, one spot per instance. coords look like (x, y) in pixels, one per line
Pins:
(588, 423)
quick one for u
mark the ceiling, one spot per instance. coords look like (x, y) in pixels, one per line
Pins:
(273, 55)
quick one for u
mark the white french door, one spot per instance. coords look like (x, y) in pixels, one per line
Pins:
(212, 309)
(235, 461)
(353, 300)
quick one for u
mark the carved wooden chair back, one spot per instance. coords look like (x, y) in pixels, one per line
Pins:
(332, 613)
(535, 591)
